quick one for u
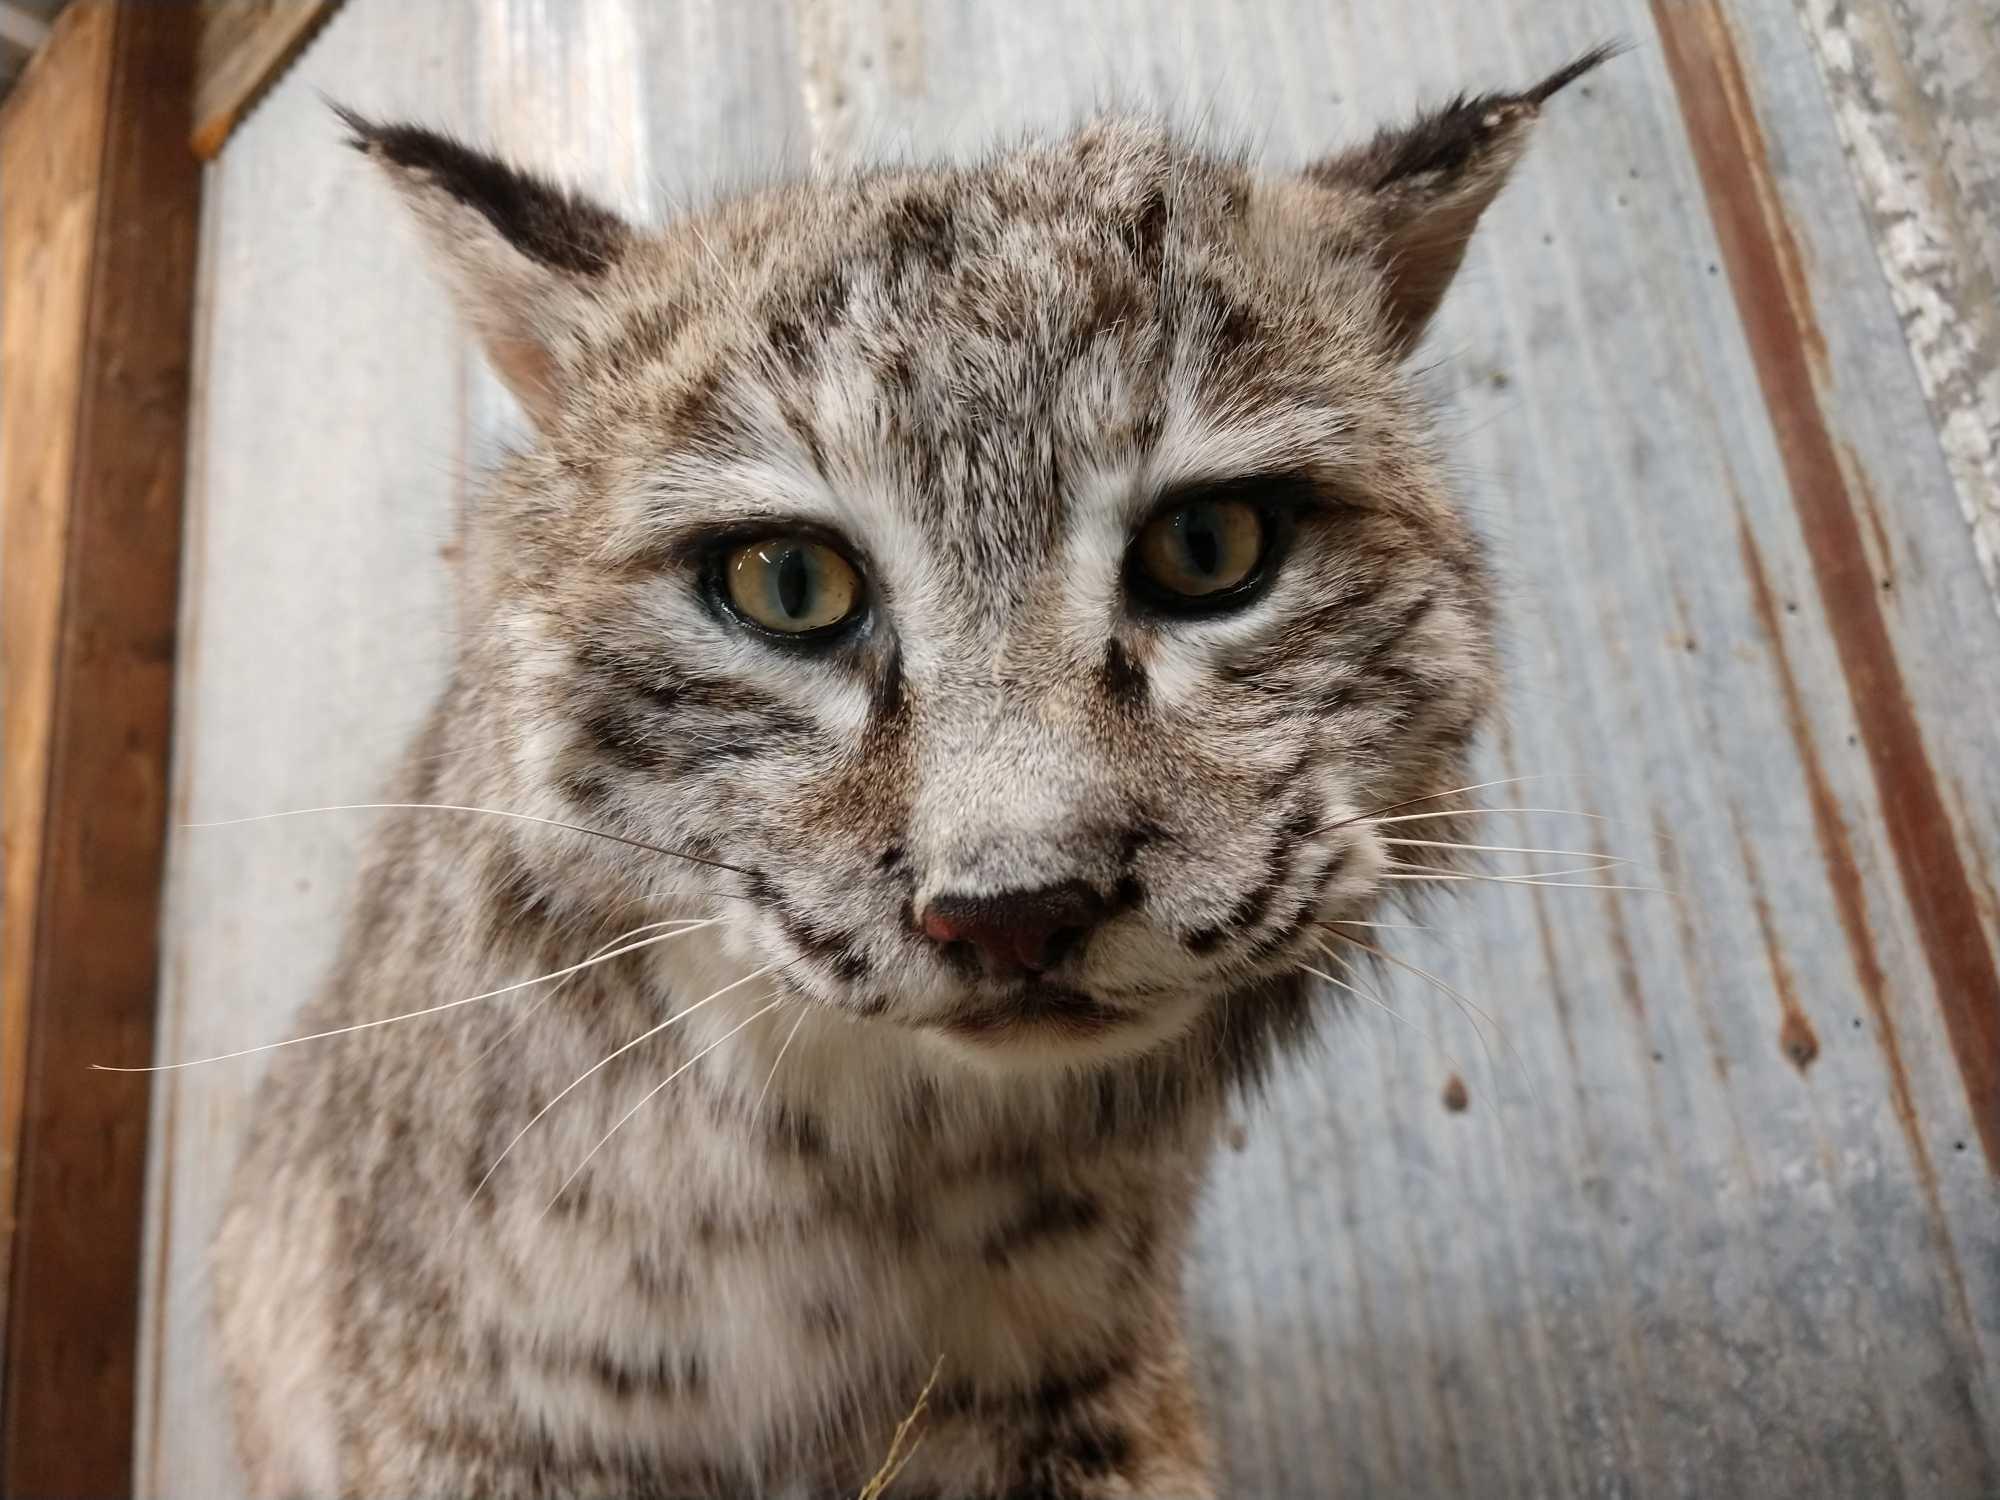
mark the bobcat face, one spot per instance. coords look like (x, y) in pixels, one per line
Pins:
(1022, 579)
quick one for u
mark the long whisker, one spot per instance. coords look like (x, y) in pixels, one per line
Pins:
(1437, 1045)
(647, 1097)
(1472, 1016)
(601, 1063)
(1490, 812)
(1466, 1004)
(527, 1014)
(489, 812)
(772, 1075)
(1374, 813)
(1594, 868)
(1385, 926)
(413, 1015)
(1570, 885)
(1505, 849)
(1496, 812)
(1389, 1010)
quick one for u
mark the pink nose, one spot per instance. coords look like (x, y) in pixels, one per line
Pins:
(1016, 930)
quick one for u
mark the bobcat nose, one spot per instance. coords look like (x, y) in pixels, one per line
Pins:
(1016, 930)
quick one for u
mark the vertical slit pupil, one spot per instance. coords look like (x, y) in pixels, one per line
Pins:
(1204, 547)
(794, 582)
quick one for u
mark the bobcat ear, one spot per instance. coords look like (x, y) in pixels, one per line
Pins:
(524, 258)
(1419, 191)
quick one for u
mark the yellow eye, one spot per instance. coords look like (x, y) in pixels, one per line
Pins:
(1201, 549)
(791, 585)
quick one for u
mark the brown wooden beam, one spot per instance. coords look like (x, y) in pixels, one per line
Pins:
(98, 266)
(245, 45)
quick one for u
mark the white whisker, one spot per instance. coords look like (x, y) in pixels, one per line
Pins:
(1594, 868)
(1459, 999)
(602, 1062)
(1389, 1010)
(694, 924)
(1559, 885)
(487, 812)
(413, 1015)
(1374, 815)
(1505, 849)
(647, 1098)
(1385, 926)
(1437, 1046)
(1489, 812)
(770, 1076)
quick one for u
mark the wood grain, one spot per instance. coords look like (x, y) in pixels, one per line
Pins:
(244, 45)
(51, 140)
(92, 647)
(1708, 1210)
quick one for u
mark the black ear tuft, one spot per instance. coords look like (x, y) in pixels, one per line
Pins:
(1449, 139)
(526, 261)
(557, 227)
(1564, 76)
(1417, 191)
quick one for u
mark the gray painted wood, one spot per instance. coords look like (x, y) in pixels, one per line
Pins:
(1656, 1255)
(1915, 90)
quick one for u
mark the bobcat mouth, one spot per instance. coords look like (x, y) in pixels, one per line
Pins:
(1038, 1005)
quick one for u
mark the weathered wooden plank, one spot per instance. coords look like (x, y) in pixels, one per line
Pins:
(1717, 1218)
(51, 137)
(96, 424)
(244, 45)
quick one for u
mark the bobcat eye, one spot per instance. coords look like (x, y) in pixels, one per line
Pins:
(1199, 554)
(791, 585)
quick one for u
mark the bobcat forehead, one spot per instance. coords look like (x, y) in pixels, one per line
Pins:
(991, 600)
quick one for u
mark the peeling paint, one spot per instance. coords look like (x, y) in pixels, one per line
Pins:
(1925, 223)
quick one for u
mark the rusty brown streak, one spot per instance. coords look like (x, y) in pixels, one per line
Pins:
(1795, 1029)
(1767, 278)
(1850, 902)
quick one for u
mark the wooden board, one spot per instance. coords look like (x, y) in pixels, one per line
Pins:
(51, 137)
(99, 260)
(245, 45)
(1721, 1214)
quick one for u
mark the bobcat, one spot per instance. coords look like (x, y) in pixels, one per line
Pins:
(934, 678)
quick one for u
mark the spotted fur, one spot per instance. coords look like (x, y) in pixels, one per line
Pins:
(978, 381)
